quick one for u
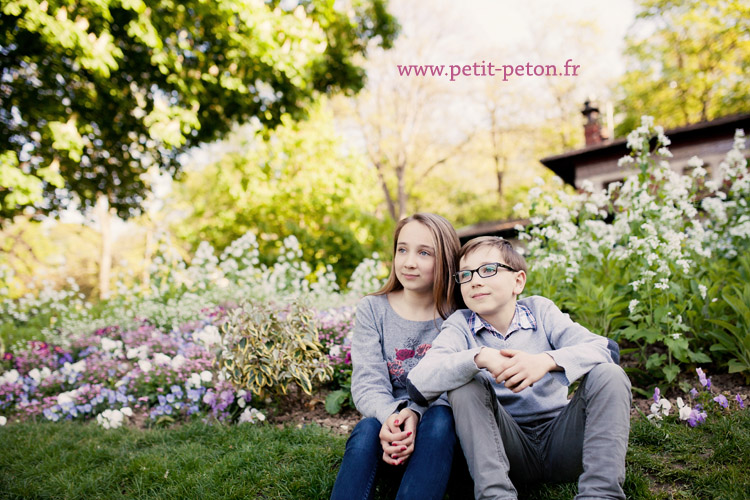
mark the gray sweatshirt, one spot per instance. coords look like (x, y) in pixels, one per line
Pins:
(385, 347)
(450, 362)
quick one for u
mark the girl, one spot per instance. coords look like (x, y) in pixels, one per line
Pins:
(394, 329)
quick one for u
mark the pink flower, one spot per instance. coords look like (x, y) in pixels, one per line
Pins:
(402, 354)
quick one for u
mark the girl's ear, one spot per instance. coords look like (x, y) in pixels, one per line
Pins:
(520, 282)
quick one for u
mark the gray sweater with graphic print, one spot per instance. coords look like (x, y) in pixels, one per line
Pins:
(450, 363)
(385, 347)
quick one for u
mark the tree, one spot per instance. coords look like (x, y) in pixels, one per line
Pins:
(689, 62)
(402, 122)
(93, 93)
(299, 181)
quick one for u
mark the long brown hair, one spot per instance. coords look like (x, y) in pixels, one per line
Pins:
(447, 246)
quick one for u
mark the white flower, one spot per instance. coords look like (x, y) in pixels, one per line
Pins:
(684, 409)
(194, 380)
(111, 419)
(625, 161)
(632, 305)
(10, 377)
(65, 398)
(676, 336)
(113, 346)
(144, 365)
(206, 376)
(3, 421)
(178, 361)
(126, 411)
(140, 352)
(250, 415)
(209, 335)
(703, 290)
(162, 359)
(661, 408)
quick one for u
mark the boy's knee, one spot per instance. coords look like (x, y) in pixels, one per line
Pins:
(608, 376)
(469, 394)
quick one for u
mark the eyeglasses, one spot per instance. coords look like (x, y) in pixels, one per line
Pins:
(484, 271)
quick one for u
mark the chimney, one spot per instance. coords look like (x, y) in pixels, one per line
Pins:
(592, 129)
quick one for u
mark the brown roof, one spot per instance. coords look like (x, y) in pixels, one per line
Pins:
(564, 164)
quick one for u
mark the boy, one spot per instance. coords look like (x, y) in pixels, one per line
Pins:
(506, 365)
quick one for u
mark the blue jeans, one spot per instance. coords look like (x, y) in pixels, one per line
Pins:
(425, 475)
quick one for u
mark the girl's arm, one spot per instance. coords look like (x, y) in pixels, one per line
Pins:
(372, 391)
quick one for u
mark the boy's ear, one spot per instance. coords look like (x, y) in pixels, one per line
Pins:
(520, 283)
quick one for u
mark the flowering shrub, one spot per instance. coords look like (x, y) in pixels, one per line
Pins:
(649, 260)
(697, 406)
(177, 292)
(335, 327)
(116, 374)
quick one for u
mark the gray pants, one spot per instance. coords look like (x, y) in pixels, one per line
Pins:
(587, 441)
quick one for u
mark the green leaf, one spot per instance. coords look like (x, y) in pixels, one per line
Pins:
(336, 400)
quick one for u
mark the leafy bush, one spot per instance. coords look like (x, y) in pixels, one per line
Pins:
(645, 261)
(265, 349)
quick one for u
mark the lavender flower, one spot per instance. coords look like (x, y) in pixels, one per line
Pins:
(705, 382)
(722, 400)
(740, 402)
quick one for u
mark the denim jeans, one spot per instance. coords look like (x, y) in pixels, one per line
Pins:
(587, 440)
(424, 476)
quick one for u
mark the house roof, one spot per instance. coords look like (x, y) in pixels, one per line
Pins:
(564, 164)
(505, 228)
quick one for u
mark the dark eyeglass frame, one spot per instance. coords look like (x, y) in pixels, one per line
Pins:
(481, 272)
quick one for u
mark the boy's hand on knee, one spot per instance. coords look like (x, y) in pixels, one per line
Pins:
(523, 369)
(397, 436)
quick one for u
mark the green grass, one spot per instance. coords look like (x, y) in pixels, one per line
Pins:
(83, 461)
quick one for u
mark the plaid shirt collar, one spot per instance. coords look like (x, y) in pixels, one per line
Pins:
(522, 319)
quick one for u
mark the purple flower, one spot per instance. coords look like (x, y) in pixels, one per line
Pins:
(702, 378)
(722, 400)
(696, 417)
(657, 395)
(739, 400)
(693, 392)
(209, 398)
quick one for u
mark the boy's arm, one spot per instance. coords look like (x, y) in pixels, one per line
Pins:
(447, 365)
(576, 349)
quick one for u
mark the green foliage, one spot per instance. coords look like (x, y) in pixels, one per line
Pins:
(198, 461)
(652, 275)
(688, 62)
(734, 339)
(97, 92)
(298, 181)
(194, 461)
(266, 349)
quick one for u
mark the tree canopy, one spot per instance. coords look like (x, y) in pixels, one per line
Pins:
(689, 62)
(298, 181)
(94, 93)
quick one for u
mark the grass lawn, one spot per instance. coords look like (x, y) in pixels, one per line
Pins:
(83, 461)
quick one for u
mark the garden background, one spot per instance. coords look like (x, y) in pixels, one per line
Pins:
(194, 195)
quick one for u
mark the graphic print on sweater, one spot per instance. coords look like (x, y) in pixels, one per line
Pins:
(405, 360)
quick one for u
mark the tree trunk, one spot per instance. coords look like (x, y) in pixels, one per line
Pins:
(105, 258)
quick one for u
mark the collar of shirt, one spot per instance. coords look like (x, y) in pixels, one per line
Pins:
(522, 318)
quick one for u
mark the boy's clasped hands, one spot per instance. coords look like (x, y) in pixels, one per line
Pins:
(518, 369)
